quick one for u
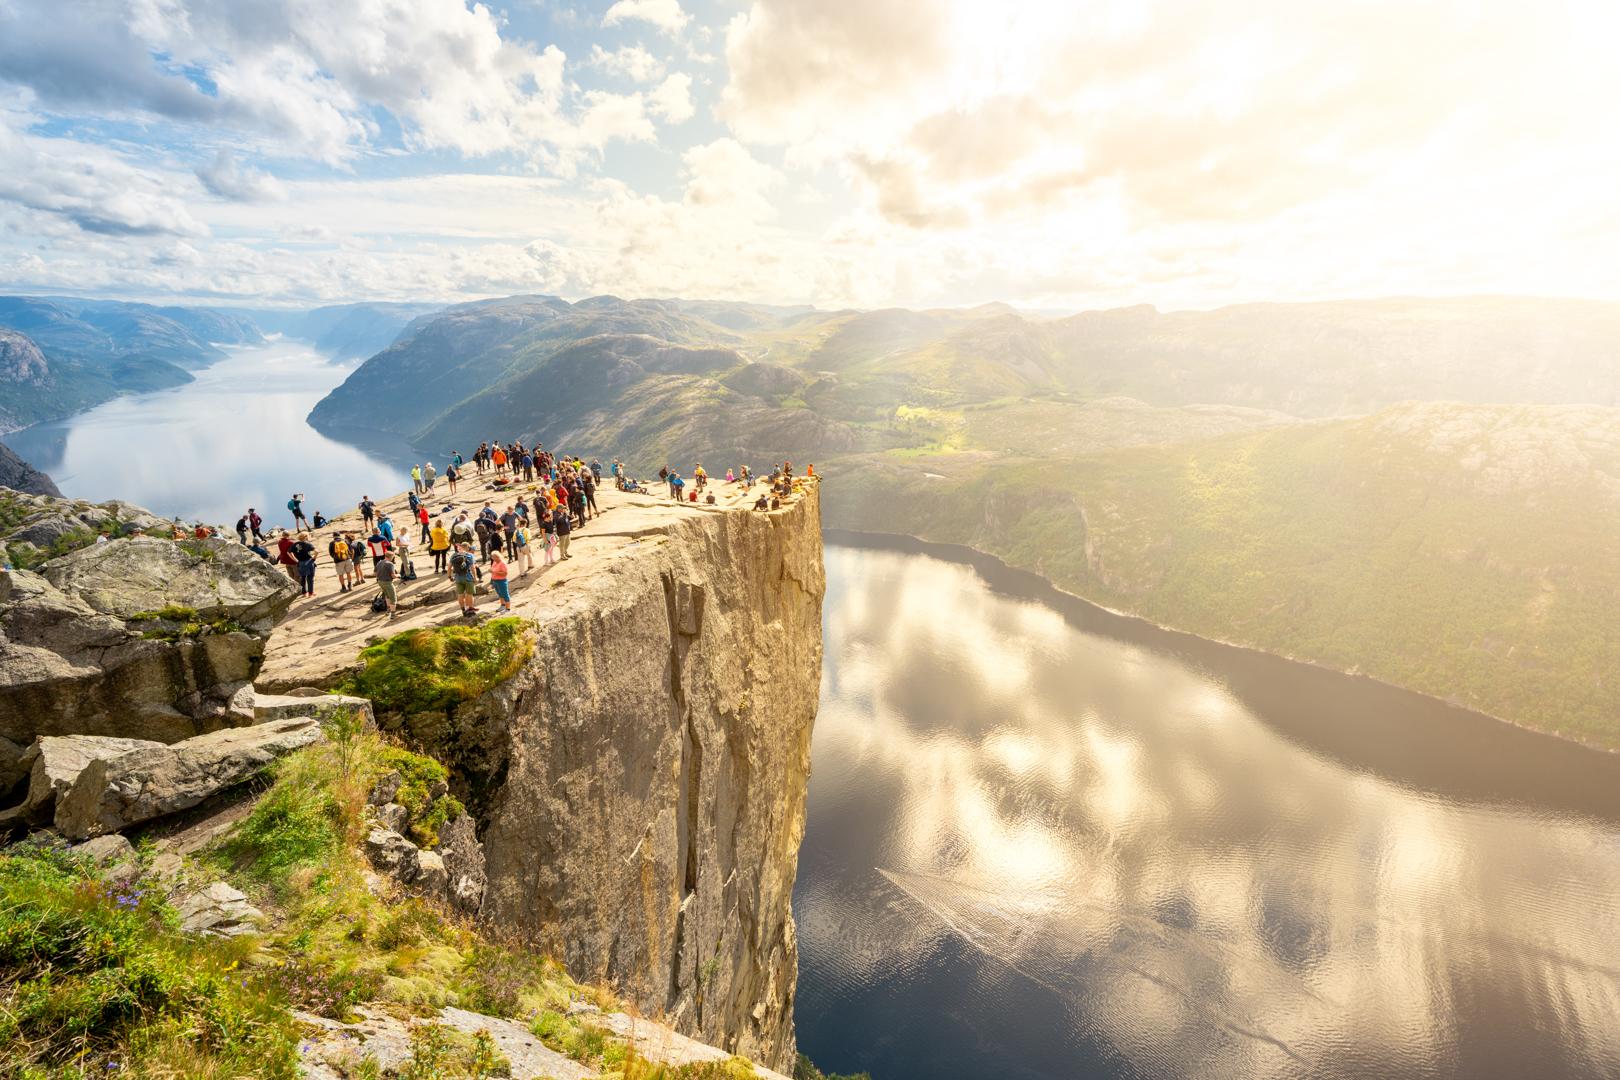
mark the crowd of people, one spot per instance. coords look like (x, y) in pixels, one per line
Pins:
(535, 501)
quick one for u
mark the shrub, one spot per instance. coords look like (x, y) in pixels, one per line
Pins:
(422, 670)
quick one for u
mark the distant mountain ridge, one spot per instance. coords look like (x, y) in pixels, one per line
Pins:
(1249, 473)
(343, 331)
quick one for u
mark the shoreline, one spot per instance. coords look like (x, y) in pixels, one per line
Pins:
(1567, 772)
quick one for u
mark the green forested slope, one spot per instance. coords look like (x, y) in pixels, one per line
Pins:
(1470, 552)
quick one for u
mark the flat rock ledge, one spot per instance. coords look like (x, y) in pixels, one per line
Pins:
(337, 1050)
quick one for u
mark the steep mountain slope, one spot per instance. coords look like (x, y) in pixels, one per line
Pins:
(86, 351)
(18, 475)
(34, 388)
(453, 362)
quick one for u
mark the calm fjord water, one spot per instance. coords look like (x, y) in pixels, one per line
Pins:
(1048, 842)
(233, 438)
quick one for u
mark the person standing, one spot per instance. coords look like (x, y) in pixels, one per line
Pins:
(525, 558)
(296, 505)
(303, 552)
(377, 544)
(439, 544)
(416, 480)
(339, 550)
(422, 519)
(368, 509)
(565, 527)
(428, 476)
(256, 524)
(497, 578)
(385, 525)
(284, 555)
(385, 574)
(357, 556)
(509, 524)
(452, 473)
(589, 481)
(242, 529)
(461, 573)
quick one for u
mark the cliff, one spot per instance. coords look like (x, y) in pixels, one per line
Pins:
(639, 783)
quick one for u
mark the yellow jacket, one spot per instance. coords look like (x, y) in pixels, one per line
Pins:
(438, 539)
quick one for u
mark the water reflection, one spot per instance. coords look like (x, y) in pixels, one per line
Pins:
(236, 437)
(1034, 851)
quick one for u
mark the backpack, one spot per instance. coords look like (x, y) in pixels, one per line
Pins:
(379, 604)
(461, 563)
(340, 550)
(292, 504)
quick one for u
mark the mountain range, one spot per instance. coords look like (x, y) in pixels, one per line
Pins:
(1424, 491)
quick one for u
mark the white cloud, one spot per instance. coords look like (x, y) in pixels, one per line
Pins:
(227, 178)
(724, 175)
(629, 62)
(672, 99)
(91, 187)
(305, 78)
(664, 14)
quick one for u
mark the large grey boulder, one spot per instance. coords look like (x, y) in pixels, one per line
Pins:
(54, 762)
(138, 637)
(114, 793)
(218, 579)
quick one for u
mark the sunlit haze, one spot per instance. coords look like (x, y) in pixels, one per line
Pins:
(838, 152)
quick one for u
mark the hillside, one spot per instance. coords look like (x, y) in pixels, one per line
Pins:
(1043, 440)
(60, 356)
(1470, 552)
(343, 331)
(18, 475)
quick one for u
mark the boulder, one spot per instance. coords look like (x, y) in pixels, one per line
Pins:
(218, 910)
(321, 707)
(387, 788)
(431, 879)
(12, 769)
(463, 859)
(136, 637)
(114, 856)
(393, 816)
(218, 579)
(392, 854)
(56, 761)
(152, 781)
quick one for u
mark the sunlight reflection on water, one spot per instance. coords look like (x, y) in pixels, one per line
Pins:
(1034, 851)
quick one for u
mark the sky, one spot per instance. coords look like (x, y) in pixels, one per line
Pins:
(1059, 154)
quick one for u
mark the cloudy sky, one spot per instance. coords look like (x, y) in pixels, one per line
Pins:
(1051, 153)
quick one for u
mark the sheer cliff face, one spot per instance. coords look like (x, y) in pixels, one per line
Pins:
(642, 782)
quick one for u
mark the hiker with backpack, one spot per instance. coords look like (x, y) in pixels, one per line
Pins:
(242, 529)
(296, 505)
(462, 566)
(385, 573)
(452, 473)
(368, 509)
(341, 561)
(303, 553)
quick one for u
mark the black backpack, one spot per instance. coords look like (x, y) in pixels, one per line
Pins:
(379, 604)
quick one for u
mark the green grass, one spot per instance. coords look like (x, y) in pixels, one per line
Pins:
(96, 978)
(424, 670)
